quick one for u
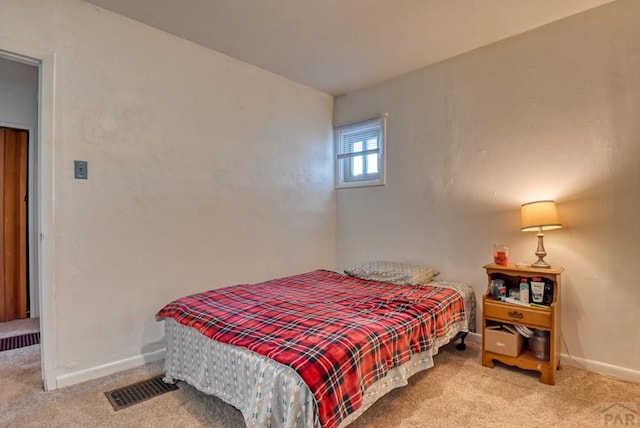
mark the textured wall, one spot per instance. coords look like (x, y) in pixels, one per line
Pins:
(203, 171)
(552, 113)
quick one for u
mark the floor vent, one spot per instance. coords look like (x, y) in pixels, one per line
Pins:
(127, 396)
(9, 343)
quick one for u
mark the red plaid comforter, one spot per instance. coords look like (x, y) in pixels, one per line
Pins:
(339, 333)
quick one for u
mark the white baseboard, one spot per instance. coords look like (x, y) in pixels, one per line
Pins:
(108, 369)
(474, 337)
(69, 379)
(618, 372)
(606, 369)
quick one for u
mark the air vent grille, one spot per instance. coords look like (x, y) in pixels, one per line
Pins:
(135, 393)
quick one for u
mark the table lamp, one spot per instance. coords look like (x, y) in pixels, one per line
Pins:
(537, 217)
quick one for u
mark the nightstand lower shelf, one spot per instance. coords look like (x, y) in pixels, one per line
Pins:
(525, 361)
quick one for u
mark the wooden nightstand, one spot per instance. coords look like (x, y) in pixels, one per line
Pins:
(547, 318)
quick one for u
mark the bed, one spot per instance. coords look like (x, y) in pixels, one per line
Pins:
(314, 349)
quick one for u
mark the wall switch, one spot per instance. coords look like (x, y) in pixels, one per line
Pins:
(80, 169)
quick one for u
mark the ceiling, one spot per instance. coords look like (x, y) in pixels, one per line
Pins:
(338, 46)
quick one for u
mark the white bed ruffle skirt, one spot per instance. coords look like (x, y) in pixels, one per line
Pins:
(267, 393)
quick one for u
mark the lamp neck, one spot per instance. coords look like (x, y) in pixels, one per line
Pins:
(540, 252)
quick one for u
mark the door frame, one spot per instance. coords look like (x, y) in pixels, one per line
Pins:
(42, 207)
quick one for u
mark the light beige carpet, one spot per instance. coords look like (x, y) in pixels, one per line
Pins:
(457, 392)
(18, 327)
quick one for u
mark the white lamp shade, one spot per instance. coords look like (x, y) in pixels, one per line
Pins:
(539, 215)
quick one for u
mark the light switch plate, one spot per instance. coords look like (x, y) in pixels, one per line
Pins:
(80, 169)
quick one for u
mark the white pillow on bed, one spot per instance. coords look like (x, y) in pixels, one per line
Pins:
(394, 272)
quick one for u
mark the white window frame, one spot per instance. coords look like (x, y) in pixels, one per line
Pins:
(345, 158)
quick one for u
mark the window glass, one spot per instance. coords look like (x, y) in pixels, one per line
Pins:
(360, 153)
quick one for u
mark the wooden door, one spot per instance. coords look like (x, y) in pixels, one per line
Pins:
(13, 233)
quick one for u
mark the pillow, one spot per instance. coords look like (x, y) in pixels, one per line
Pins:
(394, 272)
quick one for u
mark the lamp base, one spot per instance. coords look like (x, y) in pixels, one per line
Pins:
(541, 264)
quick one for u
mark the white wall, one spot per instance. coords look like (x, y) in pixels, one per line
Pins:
(203, 172)
(553, 113)
(18, 94)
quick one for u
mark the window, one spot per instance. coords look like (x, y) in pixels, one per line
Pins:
(360, 153)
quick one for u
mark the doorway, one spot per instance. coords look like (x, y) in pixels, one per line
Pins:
(14, 291)
(40, 224)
